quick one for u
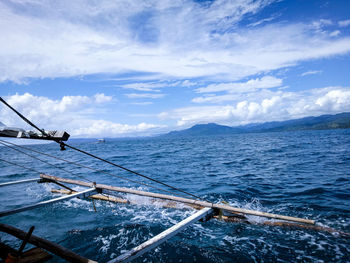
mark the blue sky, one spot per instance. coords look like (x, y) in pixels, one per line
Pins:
(126, 68)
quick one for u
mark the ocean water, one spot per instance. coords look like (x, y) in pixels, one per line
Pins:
(303, 174)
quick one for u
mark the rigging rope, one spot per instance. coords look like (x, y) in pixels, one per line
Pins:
(34, 157)
(131, 171)
(87, 167)
(24, 118)
(19, 165)
(62, 144)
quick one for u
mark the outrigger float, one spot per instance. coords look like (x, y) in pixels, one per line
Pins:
(44, 248)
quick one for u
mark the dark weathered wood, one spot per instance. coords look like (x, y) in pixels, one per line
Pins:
(43, 203)
(45, 244)
(35, 255)
(162, 237)
(5, 249)
(25, 240)
(182, 200)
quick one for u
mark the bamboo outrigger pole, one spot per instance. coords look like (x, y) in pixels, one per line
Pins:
(228, 208)
(20, 182)
(162, 237)
(43, 203)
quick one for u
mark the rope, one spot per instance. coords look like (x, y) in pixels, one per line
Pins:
(131, 171)
(19, 165)
(2, 142)
(62, 144)
(87, 167)
(24, 118)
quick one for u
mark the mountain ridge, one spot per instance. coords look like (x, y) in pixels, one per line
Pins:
(323, 122)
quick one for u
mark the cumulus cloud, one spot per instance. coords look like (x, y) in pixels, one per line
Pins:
(101, 98)
(107, 128)
(176, 39)
(272, 106)
(74, 114)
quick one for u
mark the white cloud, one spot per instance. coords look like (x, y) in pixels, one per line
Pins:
(271, 106)
(344, 23)
(144, 103)
(74, 114)
(334, 100)
(335, 33)
(215, 98)
(321, 23)
(263, 21)
(102, 98)
(156, 86)
(311, 72)
(144, 95)
(96, 128)
(177, 39)
(238, 87)
(144, 86)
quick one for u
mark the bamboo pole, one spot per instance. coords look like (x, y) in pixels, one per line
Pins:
(97, 197)
(181, 200)
(167, 204)
(45, 244)
(232, 218)
(19, 182)
(162, 237)
(43, 203)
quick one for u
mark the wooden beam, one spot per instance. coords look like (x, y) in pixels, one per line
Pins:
(51, 201)
(232, 217)
(97, 197)
(20, 181)
(182, 200)
(162, 237)
(45, 244)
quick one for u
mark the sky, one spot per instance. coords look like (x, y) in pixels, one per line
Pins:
(138, 68)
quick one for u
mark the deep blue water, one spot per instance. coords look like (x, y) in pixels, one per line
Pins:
(303, 174)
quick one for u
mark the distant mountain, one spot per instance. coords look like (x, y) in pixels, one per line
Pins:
(205, 129)
(1, 124)
(324, 122)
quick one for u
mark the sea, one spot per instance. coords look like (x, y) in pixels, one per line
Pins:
(301, 173)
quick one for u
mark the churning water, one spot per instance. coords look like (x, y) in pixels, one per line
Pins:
(302, 174)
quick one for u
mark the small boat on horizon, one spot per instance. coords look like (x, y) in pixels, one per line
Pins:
(101, 140)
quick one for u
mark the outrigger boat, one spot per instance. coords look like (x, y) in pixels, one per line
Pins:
(95, 191)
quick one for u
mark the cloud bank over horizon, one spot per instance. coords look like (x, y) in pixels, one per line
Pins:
(161, 65)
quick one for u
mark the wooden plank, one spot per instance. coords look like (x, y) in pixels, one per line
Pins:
(45, 244)
(97, 197)
(51, 201)
(20, 182)
(162, 237)
(182, 200)
(35, 255)
(163, 203)
(234, 217)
